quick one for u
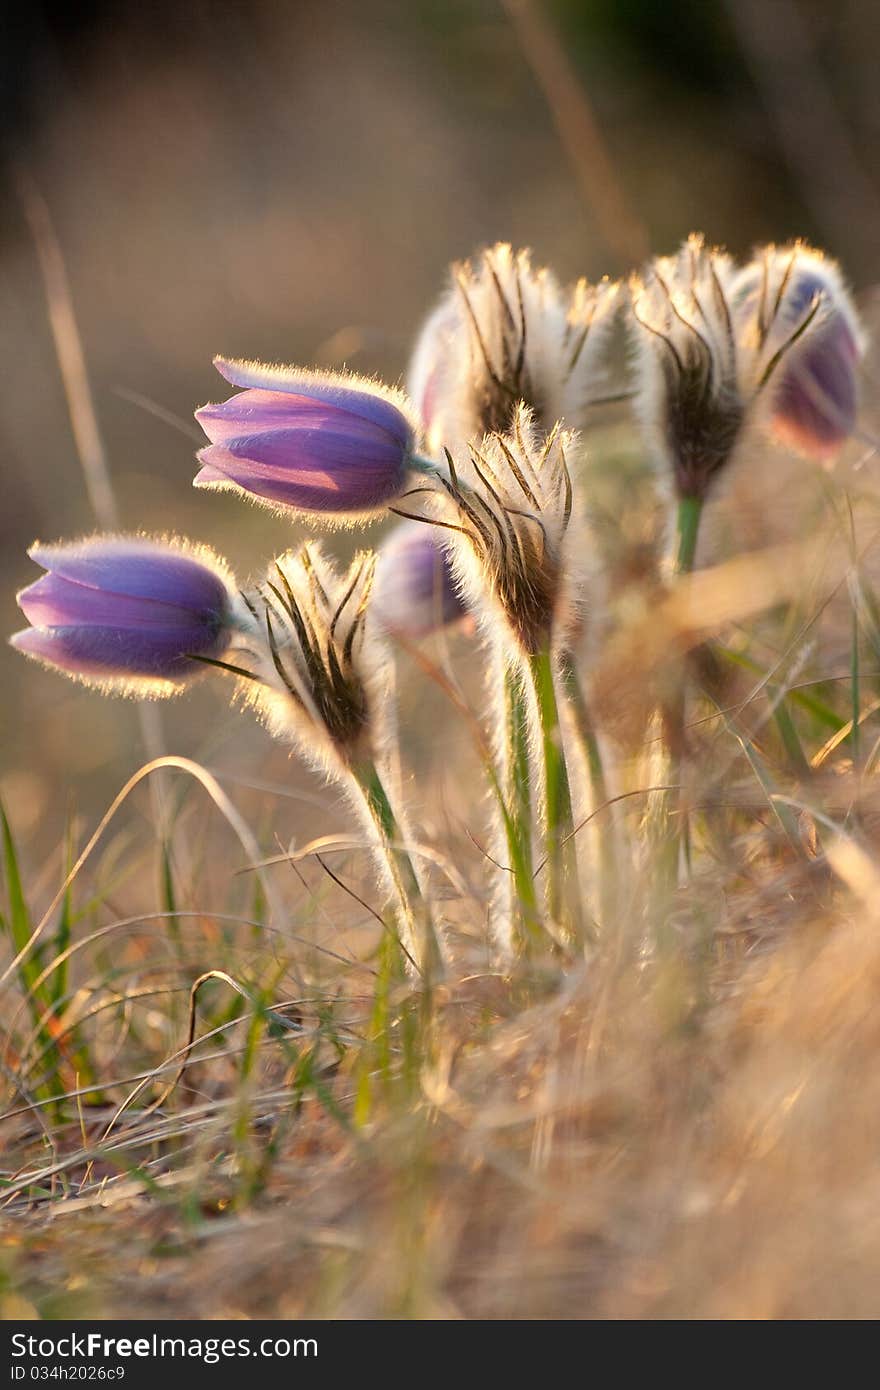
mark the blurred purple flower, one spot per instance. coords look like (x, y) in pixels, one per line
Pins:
(310, 442)
(126, 609)
(815, 396)
(816, 399)
(415, 593)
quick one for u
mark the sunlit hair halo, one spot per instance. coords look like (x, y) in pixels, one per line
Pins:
(485, 454)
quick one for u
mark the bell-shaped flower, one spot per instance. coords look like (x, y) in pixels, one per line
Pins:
(505, 333)
(130, 613)
(415, 593)
(814, 394)
(338, 446)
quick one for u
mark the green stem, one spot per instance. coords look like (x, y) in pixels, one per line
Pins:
(411, 910)
(562, 878)
(516, 799)
(690, 509)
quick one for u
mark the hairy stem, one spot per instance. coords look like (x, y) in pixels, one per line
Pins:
(563, 898)
(517, 804)
(411, 911)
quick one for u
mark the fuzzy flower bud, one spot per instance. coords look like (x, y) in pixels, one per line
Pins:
(506, 506)
(129, 613)
(814, 398)
(505, 333)
(415, 593)
(319, 682)
(691, 396)
(307, 441)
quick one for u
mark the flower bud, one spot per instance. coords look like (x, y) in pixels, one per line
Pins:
(692, 399)
(128, 612)
(814, 393)
(506, 508)
(320, 681)
(307, 441)
(503, 334)
(415, 593)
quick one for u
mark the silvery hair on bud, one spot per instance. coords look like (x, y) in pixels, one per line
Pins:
(690, 397)
(504, 333)
(507, 503)
(322, 676)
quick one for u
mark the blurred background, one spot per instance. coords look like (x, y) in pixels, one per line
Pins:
(288, 179)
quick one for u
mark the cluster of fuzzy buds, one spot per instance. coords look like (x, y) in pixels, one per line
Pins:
(720, 348)
(502, 380)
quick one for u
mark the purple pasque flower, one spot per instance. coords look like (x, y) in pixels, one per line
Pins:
(816, 400)
(308, 441)
(415, 593)
(127, 611)
(815, 387)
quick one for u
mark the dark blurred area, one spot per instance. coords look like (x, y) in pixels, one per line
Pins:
(287, 179)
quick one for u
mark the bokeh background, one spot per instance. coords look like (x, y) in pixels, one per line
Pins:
(288, 179)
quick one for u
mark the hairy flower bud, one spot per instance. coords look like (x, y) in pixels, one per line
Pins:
(505, 333)
(506, 506)
(129, 613)
(814, 394)
(307, 441)
(690, 397)
(319, 681)
(415, 592)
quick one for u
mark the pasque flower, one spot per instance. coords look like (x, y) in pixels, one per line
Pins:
(322, 682)
(415, 592)
(130, 613)
(308, 441)
(692, 397)
(503, 333)
(318, 682)
(506, 506)
(814, 395)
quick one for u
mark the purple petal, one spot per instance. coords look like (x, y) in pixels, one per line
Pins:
(816, 403)
(311, 470)
(108, 652)
(370, 405)
(141, 568)
(415, 593)
(256, 412)
(53, 601)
